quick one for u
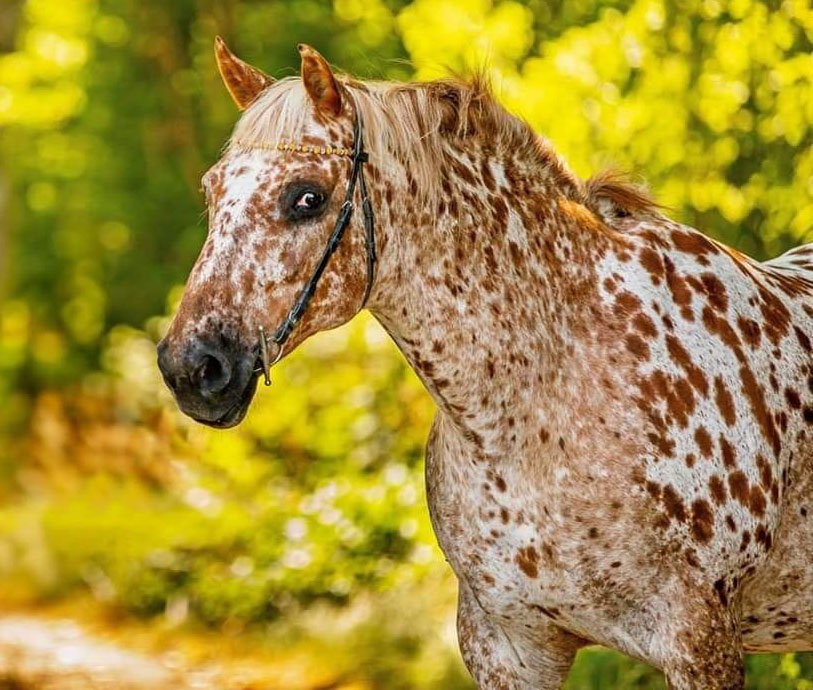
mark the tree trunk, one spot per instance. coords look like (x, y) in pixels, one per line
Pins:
(9, 21)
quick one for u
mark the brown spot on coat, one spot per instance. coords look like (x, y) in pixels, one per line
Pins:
(793, 398)
(804, 341)
(738, 485)
(715, 291)
(751, 333)
(637, 346)
(681, 356)
(717, 490)
(626, 304)
(765, 473)
(693, 243)
(703, 440)
(653, 264)
(776, 317)
(763, 537)
(724, 400)
(644, 325)
(673, 503)
(527, 559)
(756, 501)
(702, 521)
(729, 454)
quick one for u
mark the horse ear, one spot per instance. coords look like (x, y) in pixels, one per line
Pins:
(243, 81)
(319, 81)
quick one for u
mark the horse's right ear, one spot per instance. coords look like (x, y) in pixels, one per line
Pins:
(243, 81)
(319, 81)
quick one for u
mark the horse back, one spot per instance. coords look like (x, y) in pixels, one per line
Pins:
(724, 379)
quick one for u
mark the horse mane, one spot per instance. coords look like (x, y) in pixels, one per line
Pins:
(412, 122)
(614, 189)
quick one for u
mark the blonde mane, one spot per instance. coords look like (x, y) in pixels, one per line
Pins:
(412, 123)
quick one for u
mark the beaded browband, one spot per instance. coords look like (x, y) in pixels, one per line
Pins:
(303, 148)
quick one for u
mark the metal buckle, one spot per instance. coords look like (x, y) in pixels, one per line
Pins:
(266, 365)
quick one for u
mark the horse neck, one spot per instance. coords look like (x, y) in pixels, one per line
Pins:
(475, 289)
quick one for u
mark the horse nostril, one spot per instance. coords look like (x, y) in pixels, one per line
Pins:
(212, 373)
(165, 364)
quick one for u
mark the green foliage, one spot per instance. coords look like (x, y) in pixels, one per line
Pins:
(317, 498)
(311, 515)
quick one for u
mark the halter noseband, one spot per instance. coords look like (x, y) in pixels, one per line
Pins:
(300, 306)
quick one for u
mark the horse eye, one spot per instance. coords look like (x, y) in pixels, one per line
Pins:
(303, 201)
(309, 201)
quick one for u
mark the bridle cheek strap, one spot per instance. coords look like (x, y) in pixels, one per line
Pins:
(300, 306)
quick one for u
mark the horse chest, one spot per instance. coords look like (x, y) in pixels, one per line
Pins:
(519, 563)
(499, 557)
(495, 537)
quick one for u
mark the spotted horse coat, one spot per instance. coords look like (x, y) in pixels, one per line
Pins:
(622, 449)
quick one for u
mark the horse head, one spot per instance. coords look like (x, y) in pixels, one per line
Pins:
(273, 198)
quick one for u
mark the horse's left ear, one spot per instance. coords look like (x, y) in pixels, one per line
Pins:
(319, 81)
(243, 81)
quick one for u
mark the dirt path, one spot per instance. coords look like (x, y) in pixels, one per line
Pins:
(44, 654)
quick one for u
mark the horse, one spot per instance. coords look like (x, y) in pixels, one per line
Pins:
(621, 453)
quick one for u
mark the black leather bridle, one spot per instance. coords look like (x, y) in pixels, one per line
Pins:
(300, 306)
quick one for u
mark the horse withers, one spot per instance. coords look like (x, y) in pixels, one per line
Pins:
(621, 453)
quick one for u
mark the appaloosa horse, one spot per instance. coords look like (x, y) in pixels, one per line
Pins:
(622, 450)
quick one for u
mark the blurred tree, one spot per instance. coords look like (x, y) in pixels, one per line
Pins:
(9, 18)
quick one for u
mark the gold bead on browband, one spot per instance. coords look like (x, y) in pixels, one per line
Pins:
(288, 146)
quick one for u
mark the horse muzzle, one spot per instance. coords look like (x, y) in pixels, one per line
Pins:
(213, 381)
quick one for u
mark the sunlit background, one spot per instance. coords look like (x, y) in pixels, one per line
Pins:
(139, 550)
